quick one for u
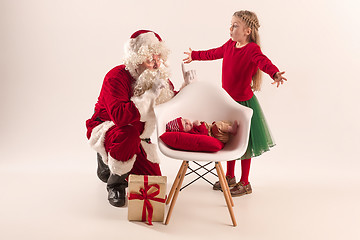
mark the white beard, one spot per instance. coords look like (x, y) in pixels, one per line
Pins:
(148, 78)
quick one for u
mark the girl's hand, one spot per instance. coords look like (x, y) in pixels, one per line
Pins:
(188, 59)
(278, 78)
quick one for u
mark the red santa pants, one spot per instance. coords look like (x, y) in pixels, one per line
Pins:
(121, 143)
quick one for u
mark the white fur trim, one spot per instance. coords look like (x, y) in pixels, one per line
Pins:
(151, 151)
(120, 167)
(145, 104)
(149, 127)
(97, 139)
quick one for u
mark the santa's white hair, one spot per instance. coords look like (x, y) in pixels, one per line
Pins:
(141, 47)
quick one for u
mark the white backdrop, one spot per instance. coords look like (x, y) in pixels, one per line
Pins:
(55, 54)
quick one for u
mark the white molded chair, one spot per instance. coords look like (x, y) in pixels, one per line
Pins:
(204, 102)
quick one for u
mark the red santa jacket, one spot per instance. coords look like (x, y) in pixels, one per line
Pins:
(114, 102)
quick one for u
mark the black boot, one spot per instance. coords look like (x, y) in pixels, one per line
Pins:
(103, 171)
(116, 189)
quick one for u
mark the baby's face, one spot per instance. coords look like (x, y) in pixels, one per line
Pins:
(187, 124)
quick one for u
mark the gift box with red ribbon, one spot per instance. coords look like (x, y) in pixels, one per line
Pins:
(147, 196)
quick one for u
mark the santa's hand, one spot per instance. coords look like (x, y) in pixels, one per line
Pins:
(189, 76)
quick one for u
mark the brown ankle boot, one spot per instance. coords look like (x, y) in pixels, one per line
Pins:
(240, 189)
(230, 181)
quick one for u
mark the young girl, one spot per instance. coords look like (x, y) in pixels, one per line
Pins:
(242, 62)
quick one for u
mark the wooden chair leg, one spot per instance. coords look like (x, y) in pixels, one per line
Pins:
(223, 187)
(182, 172)
(222, 180)
(226, 185)
(176, 182)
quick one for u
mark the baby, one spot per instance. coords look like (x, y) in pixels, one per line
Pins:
(220, 130)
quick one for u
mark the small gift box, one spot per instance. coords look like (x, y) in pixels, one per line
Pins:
(147, 196)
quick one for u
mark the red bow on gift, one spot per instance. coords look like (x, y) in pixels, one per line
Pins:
(147, 197)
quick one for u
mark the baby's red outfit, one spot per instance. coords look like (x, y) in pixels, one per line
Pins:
(201, 129)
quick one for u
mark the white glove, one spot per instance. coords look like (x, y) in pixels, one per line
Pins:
(189, 76)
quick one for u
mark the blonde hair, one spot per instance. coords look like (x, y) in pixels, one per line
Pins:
(250, 19)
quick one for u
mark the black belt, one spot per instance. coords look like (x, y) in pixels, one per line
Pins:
(147, 140)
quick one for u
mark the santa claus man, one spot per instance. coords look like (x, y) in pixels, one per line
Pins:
(124, 118)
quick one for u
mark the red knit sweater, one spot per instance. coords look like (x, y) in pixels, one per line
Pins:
(239, 66)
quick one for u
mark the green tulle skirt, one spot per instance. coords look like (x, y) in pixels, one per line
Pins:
(260, 139)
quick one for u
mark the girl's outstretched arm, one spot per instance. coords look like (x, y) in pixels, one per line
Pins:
(278, 78)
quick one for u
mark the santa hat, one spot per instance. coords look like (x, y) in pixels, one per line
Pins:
(137, 33)
(141, 46)
(175, 125)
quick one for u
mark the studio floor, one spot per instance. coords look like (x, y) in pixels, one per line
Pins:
(51, 200)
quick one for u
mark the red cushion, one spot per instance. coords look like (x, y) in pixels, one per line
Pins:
(191, 142)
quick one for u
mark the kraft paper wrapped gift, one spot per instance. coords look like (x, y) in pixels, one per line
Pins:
(147, 196)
